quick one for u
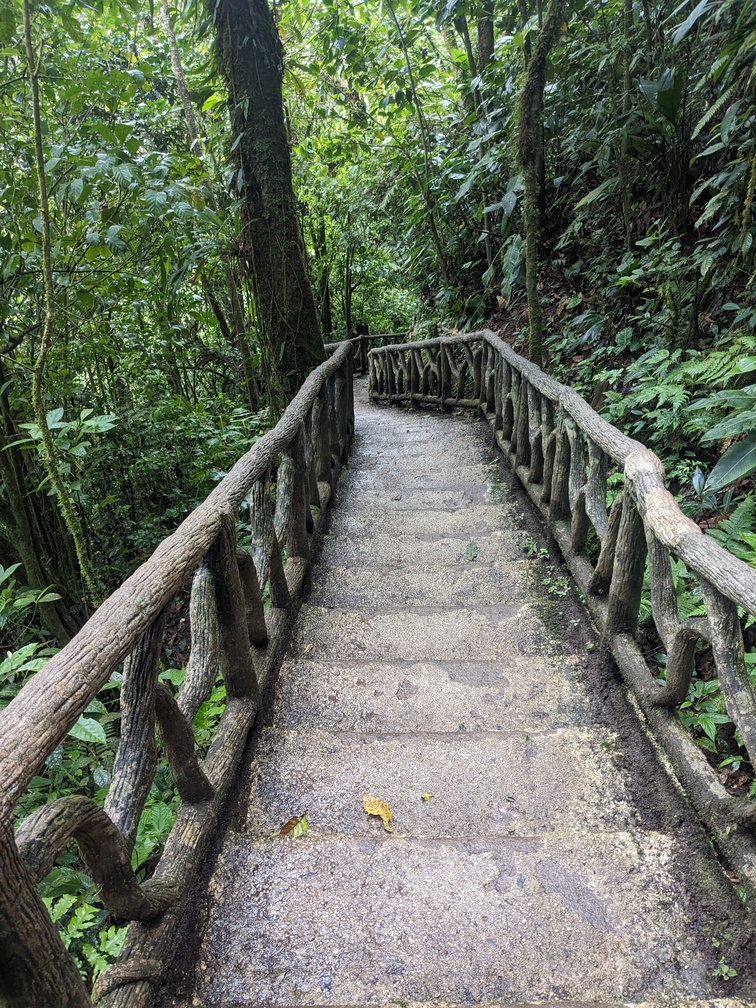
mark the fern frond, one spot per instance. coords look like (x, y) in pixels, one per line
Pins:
(711, 112)
(742, 519)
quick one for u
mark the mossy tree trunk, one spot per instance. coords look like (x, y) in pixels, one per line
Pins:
(529, 156)
(68, 506)
(251, 55)
(234, 325)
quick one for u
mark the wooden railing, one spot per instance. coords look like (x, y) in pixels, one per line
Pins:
(563, 452)
(232, 637)
(362, 345)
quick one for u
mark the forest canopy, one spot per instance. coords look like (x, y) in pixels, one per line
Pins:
(581, 173)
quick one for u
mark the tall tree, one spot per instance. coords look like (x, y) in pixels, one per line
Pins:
(251, 55)
(529, 154)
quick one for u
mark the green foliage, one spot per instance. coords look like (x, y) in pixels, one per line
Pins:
(704, 709)
(93, 946)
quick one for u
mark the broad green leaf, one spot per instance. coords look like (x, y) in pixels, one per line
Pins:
(88, 730)
(7, 21)
(737, 462)
(682, 29)
(606, 188)
(5, 572)
(471, 552)
(731, 426)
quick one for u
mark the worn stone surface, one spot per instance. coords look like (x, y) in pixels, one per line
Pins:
(482, 783)
(519, 695)
(551, 862)
(386, 587)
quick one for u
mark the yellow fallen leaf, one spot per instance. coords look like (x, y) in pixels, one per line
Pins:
(377, 806)
(427, 797)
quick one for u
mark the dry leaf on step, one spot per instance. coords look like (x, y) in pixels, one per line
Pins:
(308, 649)
(377, 806)
(296, 826)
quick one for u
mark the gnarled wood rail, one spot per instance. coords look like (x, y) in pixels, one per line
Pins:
(563, 452)
(234, 641)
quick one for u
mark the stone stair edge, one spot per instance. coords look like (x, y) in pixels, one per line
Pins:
(401, 1003)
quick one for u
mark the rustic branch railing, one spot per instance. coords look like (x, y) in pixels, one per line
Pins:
(562, 450)
(232, 637)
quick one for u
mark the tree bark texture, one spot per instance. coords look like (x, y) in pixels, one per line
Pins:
(529, 155)
(251, 55)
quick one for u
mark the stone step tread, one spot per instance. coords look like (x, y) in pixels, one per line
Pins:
(674, 1003)
(390, 480)
(383, 585)
(474, 521)
(421, 549)
(522, 693)
(334, 921)
(414, 499)
(489, 634)
(482, 783)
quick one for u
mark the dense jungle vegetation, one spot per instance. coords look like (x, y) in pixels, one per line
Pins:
(578, 175)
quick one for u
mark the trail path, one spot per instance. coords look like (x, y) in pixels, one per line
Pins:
(539, 852)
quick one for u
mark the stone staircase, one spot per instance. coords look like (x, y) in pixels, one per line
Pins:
(539, 853)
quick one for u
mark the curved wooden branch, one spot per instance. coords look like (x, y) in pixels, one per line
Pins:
(256, 625)
(104, 850)
(681, 651)
(178, 742)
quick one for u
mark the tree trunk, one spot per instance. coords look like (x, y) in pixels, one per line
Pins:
(251, 55)
(65, 501)
(237, 332)
(529, 154)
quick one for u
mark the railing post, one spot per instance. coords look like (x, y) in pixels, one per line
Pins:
(136, 759)
(522, 452)
(322, 439)
(559, 490)
(311, 460)
(37, 969)
(444, 380)
(627, 573)
(204, 658)
(727, 646)
(602, 572)
(298, 511)
(238, 671)
(548, 446)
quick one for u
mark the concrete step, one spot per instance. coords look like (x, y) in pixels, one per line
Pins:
(391, 480)
(483, 783)
(401, 1003)
(467, 523)
(487, 634)
(383, 920)
(387, 587)
(522, 694)
(420, 549)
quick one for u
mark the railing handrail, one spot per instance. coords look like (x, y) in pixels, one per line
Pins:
(562, 451)
(42, 713)
(700, 553)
